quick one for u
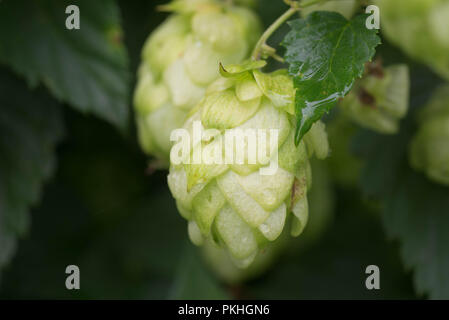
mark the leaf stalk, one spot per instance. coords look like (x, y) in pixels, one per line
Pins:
(262, 43)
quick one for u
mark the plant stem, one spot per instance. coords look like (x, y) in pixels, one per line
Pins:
(262, 43)
(271, 29)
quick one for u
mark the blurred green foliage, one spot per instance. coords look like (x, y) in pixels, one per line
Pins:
(28, 137)
(104, 211)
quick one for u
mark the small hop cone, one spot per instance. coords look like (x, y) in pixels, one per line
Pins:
(233, 204)
(380, 99)
(420, 28)
(180, 59)
(429, 149)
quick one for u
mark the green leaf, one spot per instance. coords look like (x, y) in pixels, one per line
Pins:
(278, 87)
(30, 127)
(325, 53)
(86, 68)
(385, 155)
(417, 214)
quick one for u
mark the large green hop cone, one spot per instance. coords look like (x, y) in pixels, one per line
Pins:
(241, 204)
(429, 150)
(180, 59)
(345, 7)
(380, 99)
(420, 28)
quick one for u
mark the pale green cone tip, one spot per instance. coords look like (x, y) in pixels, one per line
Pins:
(233, 204)
(345, 7)
(180, 60)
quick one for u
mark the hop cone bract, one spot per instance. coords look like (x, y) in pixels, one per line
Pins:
(420, 28)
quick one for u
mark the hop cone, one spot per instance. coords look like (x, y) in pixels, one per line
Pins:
(345, 168)
(420, 28)
(380, 99)
(219, 262)
(180, 59)
(234, 205)
(429, 150)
